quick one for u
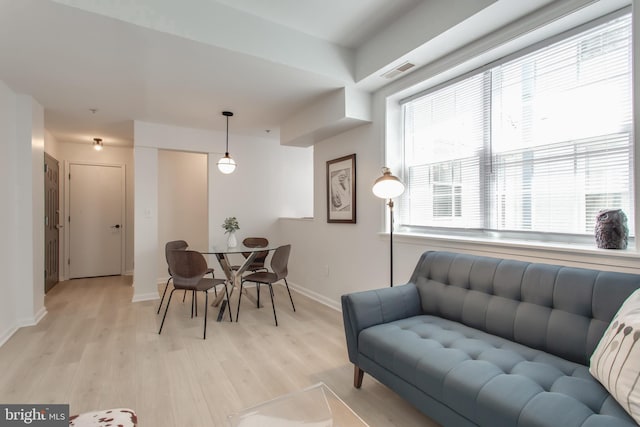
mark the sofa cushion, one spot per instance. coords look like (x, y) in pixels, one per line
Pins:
(559, 310)
(489, 379)
(616, 361)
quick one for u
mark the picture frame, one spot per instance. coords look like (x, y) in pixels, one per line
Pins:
(341, 190)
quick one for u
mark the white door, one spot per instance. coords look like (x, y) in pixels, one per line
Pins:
(95, 220)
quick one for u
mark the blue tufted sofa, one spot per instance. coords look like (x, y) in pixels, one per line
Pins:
(490, 342)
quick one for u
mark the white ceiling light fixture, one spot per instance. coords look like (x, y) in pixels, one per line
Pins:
(226, 164)
(97, 144)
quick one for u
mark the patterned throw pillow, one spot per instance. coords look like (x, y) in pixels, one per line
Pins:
(616, 360)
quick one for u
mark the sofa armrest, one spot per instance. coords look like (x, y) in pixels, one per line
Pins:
(361, 310)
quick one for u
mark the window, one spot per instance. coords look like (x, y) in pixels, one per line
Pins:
(532, 145)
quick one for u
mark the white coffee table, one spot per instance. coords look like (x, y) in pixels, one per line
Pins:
(315, 406)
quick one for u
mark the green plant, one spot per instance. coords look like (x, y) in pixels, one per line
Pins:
(230, 225)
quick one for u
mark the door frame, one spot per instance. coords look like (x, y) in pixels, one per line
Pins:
(57, 217)
(123, 211)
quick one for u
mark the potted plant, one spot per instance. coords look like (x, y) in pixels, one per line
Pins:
(230, 226)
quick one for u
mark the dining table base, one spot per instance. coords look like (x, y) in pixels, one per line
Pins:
(233, 279)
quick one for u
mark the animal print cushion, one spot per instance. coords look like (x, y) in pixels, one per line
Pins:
(120, 417)
(616, 360)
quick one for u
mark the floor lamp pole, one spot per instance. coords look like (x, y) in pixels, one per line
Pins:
(390, 204)
(387, 187)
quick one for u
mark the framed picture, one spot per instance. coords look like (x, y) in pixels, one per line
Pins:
(341, 189)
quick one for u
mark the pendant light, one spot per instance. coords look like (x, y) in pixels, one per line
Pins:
(226, 164)
(97, 144)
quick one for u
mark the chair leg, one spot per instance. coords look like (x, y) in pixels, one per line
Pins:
(206, 304)
(226, 293)
(192, 304)
(215, 291)
(239, 298)
(163, 294)
(165, 311)
(273, 304)
(184, 295)
(285, 282)
(258, 295)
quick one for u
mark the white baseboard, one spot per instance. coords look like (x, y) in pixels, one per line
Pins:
(150, 296)
(4, 337)
(21, 323)
(145, 297)
(39, 316)
(316, 297)
(336, 305)
(32, 321)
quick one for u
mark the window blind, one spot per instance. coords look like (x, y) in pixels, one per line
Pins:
(539, 143)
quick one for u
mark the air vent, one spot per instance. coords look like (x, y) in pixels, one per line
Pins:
(398, 70)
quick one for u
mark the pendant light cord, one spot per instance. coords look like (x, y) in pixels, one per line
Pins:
(227, 149)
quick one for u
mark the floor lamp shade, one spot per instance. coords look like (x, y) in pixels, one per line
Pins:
(388, 187)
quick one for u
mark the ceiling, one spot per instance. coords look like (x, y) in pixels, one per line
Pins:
(98, 65)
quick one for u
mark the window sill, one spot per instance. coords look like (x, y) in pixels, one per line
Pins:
(302, 218)
(552, 253)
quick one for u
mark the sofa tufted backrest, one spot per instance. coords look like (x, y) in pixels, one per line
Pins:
(560, 310)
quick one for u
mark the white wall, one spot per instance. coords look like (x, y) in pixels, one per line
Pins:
(182, 201)
(146, 245)
(8, 215)
(22, 189)
(328, 260)
(51, 145)
(84, 153)
(31, 144)
(270, 181)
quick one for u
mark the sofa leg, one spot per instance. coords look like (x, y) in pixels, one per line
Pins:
(357, 376)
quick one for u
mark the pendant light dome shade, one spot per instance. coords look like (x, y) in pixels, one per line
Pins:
(226, 165)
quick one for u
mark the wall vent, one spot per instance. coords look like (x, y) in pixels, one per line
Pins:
(398, 70)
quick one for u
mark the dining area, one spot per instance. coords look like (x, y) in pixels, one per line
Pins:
(233, 272)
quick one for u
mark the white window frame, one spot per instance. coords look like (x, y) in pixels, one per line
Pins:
(532, 30)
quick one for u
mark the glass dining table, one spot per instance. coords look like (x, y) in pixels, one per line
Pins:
(233, 276)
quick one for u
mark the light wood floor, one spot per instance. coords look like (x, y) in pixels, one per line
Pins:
(96, 350)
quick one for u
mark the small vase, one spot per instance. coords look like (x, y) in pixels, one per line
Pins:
(231, 241)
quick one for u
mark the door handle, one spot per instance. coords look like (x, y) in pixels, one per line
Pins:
(59, 226)
(115, 226)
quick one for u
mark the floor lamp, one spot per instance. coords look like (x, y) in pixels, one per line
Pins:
(388, 187)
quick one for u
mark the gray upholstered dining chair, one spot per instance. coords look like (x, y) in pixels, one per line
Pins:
(188, 269)
(279, 262)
